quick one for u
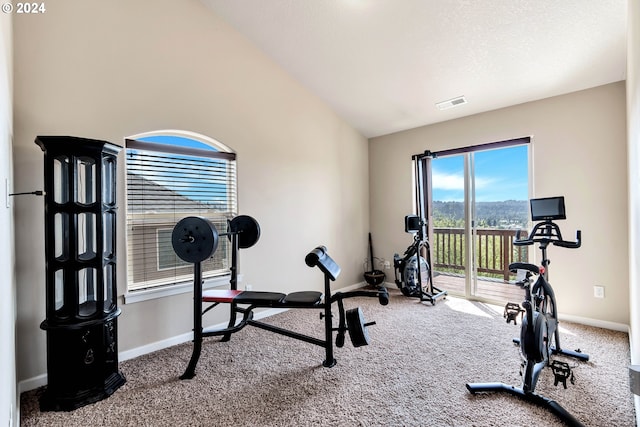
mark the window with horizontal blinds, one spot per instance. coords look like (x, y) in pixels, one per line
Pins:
(169, 178)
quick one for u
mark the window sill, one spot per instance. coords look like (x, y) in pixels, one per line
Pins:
(176, 289)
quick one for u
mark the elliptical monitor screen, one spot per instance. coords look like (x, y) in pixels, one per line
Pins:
(411, 223)
(548, 209)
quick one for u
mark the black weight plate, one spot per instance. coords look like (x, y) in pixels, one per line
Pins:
(247, 228)
(194, 239)
(355, 326)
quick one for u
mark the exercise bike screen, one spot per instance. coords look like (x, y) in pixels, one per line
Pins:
(548, 208)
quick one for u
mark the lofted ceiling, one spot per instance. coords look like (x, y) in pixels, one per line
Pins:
(382, 65)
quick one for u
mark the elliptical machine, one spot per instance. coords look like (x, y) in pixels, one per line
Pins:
(539, 333)
(413, 274)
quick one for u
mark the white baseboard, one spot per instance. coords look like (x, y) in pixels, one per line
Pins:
(32, 383)
(635, 361)
(352, 287)
(571, 318)
(41, 380)
(594, 322)
(186, 337)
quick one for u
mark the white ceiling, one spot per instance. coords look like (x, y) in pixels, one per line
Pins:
(382, 65)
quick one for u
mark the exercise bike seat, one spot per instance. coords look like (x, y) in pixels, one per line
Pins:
(514, 266)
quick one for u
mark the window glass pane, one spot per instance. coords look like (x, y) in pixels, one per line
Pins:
(172, 140)
(478, 203)
(162, 188)
(167, 258)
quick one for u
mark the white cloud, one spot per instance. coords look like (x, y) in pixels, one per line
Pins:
(482, 183)
(444, 181)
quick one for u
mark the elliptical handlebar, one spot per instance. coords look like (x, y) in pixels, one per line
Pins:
(548, 232)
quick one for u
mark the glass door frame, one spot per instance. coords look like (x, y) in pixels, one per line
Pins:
(471, 278)
(424, 198)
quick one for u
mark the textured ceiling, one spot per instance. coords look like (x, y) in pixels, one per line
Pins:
(382, 65)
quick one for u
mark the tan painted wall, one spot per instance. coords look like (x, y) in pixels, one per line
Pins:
(579, 151)
(110, 69)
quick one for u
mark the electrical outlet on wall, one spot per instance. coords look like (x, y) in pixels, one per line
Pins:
(598, 291)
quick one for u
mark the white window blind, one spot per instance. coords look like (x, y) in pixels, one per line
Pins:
(165, 183)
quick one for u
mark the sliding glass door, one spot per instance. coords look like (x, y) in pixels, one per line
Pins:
(478, 201)
(449, 223)
(500, 182)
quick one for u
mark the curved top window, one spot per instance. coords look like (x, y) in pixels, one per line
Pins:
(182, 138)
(171, 175)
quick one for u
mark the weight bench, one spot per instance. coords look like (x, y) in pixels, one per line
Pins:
(195, 239)
(303, 299)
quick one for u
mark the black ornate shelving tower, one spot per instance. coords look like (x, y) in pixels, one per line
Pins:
(80, 252)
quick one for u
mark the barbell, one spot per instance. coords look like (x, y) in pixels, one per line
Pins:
(195, 239)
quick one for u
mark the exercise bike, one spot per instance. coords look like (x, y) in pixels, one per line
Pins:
(413, 274)
(539, 333)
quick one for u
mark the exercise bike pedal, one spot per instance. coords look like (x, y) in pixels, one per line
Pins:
(511, 311)
(562, 371)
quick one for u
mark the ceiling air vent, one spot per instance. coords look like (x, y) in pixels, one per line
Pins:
(451, 103)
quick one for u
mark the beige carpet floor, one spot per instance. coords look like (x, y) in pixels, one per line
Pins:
(412, 374)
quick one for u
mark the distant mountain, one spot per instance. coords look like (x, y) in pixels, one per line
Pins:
(506, 214)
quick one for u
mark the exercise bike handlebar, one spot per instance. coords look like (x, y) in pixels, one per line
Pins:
(570, 245)
(548, 232)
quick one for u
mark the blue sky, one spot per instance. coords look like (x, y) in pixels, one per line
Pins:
(195, 178)
(500, 174)
(177, 140)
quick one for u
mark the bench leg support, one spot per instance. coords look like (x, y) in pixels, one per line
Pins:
(197, 323)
